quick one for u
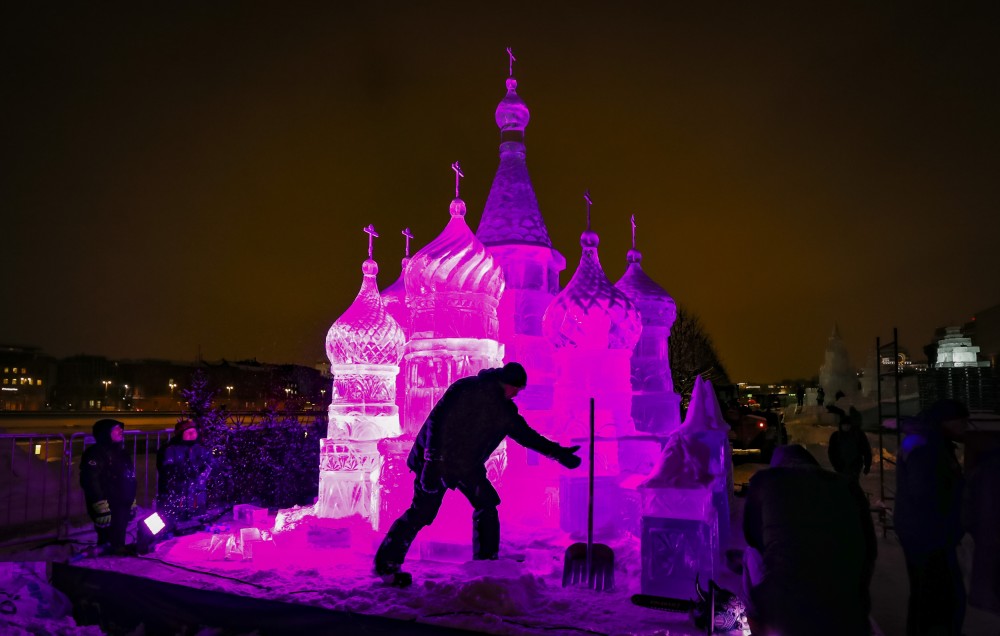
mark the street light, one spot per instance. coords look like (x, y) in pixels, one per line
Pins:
(106, 383)
(230, 389)
(172, 385)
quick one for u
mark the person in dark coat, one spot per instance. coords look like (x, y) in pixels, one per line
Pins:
(465, 426)
(981, 517)
(107, 476)
(927, 517)
(811, 549)
(184, 466)
(849, 450)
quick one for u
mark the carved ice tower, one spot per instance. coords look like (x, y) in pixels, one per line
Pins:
(453, 286)
(655, 405)
(514, 233)
(364, 346)
(594, 327)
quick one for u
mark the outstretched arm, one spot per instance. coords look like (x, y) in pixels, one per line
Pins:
(528, 437)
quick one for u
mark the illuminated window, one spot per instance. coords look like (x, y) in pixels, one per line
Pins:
(6, 369)
(23, 370)
(38, 383)
(23, 380)
(5, 380)
(29, 381)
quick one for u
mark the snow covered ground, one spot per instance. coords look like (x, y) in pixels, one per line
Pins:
(522, 596)
(519, 594)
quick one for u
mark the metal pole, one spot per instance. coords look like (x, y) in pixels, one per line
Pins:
(590, 500)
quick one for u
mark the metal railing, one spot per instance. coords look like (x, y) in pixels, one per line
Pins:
(40, 480)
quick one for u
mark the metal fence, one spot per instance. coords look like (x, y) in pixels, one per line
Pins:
(40, 480)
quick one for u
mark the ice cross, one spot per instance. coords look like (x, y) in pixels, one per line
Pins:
(512, 60)
(372, 235)
(590, 202)
(633, 231)
(458, 176)
(408, 234)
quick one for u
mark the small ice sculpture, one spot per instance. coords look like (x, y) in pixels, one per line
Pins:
(655, 405)
(704, 423)
(364, 346)
(679, 529)
(837, 374)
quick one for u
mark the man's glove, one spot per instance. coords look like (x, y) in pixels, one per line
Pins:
(566, 455)
(430, 477)
(102, 512)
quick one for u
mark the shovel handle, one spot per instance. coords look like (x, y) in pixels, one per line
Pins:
(590, 497)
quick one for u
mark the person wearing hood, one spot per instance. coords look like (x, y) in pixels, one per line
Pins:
(811, 549)
(465, 426)
(928, 517)
(107, 476)
(849, 450)
(184, 466)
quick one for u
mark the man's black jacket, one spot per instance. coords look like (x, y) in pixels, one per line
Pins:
(107, 473)
(467, 424)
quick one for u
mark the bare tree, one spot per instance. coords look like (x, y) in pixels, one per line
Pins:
(692, 353)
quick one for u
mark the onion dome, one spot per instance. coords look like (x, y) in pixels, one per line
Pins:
(454, 262)
(512, 113)
(590, 312)
(511, 215)
(657, 306)
(365, 333)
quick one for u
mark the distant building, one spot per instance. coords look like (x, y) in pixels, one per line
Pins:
(32, 381)
(955, 350)
(958, 373)
(26, 378)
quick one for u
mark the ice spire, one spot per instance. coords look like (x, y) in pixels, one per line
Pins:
(453, 263)
(511, 215)
(591, 313)
(365, 333)
(394, 295)
(643, 290)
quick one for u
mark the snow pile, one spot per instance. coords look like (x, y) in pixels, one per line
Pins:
(30, 605)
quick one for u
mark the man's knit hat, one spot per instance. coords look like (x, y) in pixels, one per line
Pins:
(514, 374)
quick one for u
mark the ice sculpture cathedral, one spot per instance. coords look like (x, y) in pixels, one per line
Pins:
(468, 301)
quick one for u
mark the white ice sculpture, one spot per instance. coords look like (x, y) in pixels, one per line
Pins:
(685, 498)
(364, 346)
(836, 374)
(955, 350)
(704, 423)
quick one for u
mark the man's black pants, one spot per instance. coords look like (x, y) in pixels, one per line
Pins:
(114, 535)
(485, 522)
(937, 594)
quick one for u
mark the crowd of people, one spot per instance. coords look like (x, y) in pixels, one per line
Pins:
(811, 543)
(811, 540)
(107, 477)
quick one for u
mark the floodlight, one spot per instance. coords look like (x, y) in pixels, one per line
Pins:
(154, 523)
